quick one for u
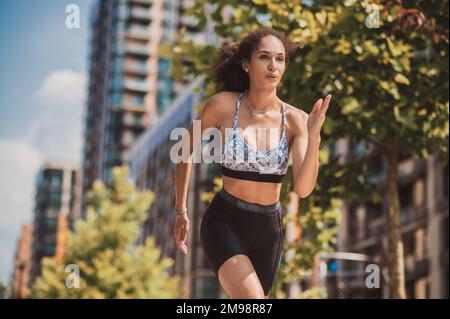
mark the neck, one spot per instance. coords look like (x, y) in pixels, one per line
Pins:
(261, 100)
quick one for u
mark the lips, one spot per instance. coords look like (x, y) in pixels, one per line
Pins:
(271, 77)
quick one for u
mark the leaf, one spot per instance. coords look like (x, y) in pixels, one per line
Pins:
(407, 121)
(400, 78)
(397, 49)
(350, 105)
(164, 50)
(343, 46)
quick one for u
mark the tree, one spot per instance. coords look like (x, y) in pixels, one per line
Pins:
(103, 247)
(391, 89)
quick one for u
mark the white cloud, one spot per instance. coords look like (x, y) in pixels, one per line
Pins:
(55, 135)
(63, 88)
(58, 132)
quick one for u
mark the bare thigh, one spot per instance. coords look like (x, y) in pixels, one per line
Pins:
(239, 279)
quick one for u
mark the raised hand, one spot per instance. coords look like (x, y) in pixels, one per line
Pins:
(317, 116)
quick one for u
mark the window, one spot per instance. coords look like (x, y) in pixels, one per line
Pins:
(142, 62)
(115, 119)
(116, 100)
(118, 49)
(405, 195)
(163, 66)
(118, 28)
(115, 137)
(49, 249)
(121, 11)
(139, 99)
(50, 238)
(113, 156)
(54, 200)
(117, 64)
(49, 223)
(374, 211)
(108, 175)
(139, 119)
(55, 181)
(117, 82)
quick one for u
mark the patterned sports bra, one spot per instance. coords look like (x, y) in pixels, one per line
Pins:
(239, 160)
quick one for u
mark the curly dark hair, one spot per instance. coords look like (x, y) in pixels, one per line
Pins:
(228, 72)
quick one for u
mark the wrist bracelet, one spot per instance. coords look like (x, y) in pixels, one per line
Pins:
(178, 213)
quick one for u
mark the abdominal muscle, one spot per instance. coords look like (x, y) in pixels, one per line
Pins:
(263, 193)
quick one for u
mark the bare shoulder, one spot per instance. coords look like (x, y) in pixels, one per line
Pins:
(296, 120)
(218, 106)
(221, 101)
(225, 97)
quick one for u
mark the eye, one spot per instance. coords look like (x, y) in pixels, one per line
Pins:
(265, 56)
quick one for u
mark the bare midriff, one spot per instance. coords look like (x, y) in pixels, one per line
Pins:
(254, 192)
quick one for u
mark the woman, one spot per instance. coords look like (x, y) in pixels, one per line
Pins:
(241, 230)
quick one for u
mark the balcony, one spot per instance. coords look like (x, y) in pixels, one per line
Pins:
(137, 49)
(136, 86)
(420, 212)
(189, 21)
(140, 13)
(127, 138)
(412, 214)
(138, 32)
(136, 68)
(133, 120)
(141, 1)
(406, 215)
(377, 227)
(132, 106)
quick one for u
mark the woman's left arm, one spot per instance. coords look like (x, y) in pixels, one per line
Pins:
(305, 150)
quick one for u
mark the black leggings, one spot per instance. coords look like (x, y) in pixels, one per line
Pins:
(232, 226)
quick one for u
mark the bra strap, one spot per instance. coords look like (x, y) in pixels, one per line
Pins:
(283, 118)
(238, 106)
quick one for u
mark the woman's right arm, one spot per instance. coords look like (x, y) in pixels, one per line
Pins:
(210, 116)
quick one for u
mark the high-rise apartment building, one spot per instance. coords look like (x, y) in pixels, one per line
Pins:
(129, 88)
(57, 200)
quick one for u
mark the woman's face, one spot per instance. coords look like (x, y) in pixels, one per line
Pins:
(267, 64)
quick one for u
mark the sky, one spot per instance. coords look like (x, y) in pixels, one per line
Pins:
(43, 85)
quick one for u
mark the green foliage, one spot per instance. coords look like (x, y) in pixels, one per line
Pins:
(5, 291)
(104, 247)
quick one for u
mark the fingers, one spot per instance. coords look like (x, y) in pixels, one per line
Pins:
(180, 234)
(316, 106)
(325, 104)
